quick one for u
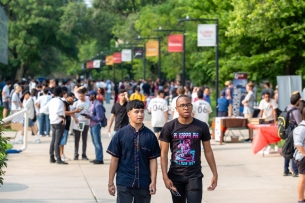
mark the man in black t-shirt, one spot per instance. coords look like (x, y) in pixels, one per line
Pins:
(119, 112)
(183, 135)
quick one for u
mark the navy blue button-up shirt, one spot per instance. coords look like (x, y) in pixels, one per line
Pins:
(134, 150)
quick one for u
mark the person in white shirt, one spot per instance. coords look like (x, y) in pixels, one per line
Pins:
(201, 108)
(43, 118)
(159, 112)
(83, 104)
(6, 98)
(16, 103)
(57, 120)
(175, 114)
(268, 108)
(28, 103)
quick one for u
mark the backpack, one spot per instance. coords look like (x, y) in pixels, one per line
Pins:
(288, 149)
(284, 127)
(35, 117)
(104, 122)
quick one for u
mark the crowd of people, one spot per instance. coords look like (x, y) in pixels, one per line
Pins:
(179, 120)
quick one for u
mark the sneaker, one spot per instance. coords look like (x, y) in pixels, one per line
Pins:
(20, 141)
(98, 162)
(287, 173)
(75, 158)
(85, 158)
(37, 141)
(61, 162)
(248, 140)
(48, 135)
(92, 161)
(64, 158)
(52, 159)
(295, 174)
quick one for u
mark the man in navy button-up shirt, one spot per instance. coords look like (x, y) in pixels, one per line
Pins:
(134, 149)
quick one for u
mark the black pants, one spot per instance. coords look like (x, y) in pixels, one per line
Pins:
(77, 135)
(189, 187)
(57, 133)
(127, 195)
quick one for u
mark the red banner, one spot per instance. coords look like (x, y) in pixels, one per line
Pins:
(117, 57)
(175, 43)
(89, 64)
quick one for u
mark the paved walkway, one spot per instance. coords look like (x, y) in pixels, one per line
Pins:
(243, 177)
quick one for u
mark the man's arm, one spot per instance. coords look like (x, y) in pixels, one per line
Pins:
(166, 116)
(114, 162)
(110, 122)
(153, 167)
(261, 113)
(164, 163)
(274, 114)
(301, 150)
(208, 152)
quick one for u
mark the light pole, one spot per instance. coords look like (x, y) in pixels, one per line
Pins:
(183, 52)
(216, 46)
(159, 53)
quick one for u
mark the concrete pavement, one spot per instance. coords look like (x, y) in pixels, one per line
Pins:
(243, 177)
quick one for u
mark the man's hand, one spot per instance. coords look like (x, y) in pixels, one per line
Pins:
(152, 188)
(77, 110)
(76, 120)
(111, 190)
(63, 121)
(168, 184)
(213, 183)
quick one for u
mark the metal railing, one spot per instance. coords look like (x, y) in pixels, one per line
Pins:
(25, 128)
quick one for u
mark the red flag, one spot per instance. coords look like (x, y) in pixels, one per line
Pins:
(117, 57)
(175, 43)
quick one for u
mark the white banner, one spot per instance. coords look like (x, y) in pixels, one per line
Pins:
(206, 35)
(126, 55)
(96, 63)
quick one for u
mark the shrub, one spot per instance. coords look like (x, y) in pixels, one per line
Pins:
(3, 146)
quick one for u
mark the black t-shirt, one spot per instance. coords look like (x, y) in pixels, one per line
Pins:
(68, 118)
(185, 145)
(146, 88)
(121, 118)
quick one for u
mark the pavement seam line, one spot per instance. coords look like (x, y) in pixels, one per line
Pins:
(91, 190)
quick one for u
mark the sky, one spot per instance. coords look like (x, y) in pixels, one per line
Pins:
(88, 2)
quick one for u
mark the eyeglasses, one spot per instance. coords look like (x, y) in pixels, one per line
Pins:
(182, 106)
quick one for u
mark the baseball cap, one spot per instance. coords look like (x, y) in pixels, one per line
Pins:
(92, 92)
(223, 93)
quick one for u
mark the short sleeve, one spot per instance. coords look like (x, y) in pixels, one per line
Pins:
(165, 135)
(165, 107)
(173, 104)
(15, 97)
(209, 109)
(113, 109)
(155, 149)
(114, 148)
(299, 136)
(206, 136)
(274, 104)
(149, 106)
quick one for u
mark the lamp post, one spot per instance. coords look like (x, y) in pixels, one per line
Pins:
(216, 46)
(159, 54)
(183, 52)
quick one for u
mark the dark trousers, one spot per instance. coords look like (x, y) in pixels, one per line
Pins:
(189, 187)
(222, 114)
(77, 135)
(130, 195)
(57, 133)
(293, 165)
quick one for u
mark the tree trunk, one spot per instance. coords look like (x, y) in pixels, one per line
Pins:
(19, 72)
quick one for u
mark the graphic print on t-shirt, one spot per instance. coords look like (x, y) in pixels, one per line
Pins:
(185, 156)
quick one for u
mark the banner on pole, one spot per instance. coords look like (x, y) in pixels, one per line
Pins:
(240, 81)
(96, 63)
(126, 55)
(206, 35)
(152, 48)
(109, 60)
(175, 43)
(117, 57)
(89, 64)
(138, 52)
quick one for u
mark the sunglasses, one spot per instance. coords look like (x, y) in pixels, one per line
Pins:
(175, 193)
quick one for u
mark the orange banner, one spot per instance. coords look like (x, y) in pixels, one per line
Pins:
(152, 48)
(109, 60)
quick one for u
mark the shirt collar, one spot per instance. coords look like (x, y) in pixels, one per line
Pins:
(135, 129)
